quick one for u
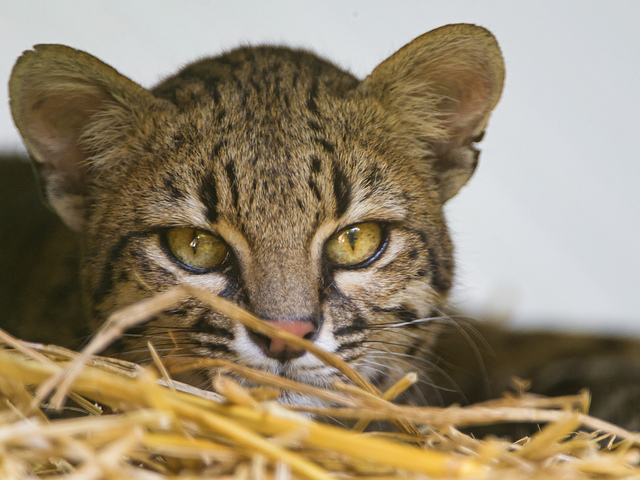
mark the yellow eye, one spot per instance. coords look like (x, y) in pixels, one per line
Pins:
(196, 249)
(355, 244)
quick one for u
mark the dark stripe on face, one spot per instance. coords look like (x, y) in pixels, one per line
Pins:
(209, 196)
(348, 346)
(406, 316)
(313, 125)
(105, 285)
(204, 325)
(441, 271)
(348, 330)
(216, 349)
(216, 149)
(171, 184)
(231, 176)
(341, 190)
(311, 99)
(357, 325)
(326, 145)
(373, 177)
(315, 164)
(314, 188)
(156, 275)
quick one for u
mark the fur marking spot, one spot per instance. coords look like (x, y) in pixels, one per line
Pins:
(341, 190)
(209, 196)
(231, 176)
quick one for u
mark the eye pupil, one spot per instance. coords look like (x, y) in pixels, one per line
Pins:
(351, 235)
(194, 242)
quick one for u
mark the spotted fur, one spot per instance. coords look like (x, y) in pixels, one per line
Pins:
(273, 150)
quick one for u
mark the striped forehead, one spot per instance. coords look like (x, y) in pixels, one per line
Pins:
(252, 177)
(292, 194)
(269, 154)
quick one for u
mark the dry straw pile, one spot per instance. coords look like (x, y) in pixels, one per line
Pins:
(134, 422)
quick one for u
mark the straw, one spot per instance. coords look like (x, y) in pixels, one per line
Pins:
(158, 428)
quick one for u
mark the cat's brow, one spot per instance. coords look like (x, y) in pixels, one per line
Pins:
(375, 211)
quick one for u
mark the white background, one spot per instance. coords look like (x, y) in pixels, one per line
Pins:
(548, 228)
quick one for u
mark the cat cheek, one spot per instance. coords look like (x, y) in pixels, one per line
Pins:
(417, 296)
(355, 283)
(325, 338)
(213, 282)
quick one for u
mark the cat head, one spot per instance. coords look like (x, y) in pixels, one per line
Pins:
(274, 179)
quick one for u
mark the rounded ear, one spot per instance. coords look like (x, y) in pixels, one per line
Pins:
(441, 88)
(68, 105)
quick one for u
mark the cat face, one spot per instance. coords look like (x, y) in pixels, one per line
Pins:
(273, 179)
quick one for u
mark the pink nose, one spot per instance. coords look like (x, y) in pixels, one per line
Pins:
(279, 349)
(299, 328)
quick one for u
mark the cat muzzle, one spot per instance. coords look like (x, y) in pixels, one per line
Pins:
(279, 349)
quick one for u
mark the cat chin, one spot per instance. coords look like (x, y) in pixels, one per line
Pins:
(306, 369)
(317, 376)
(288, 397)
(187, 382)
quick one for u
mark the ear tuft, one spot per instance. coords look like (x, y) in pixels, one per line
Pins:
(56, 93)
(442, 87)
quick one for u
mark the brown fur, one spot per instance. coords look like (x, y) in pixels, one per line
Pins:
(273, 150)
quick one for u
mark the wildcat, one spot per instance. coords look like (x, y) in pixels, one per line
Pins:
(276, 180)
